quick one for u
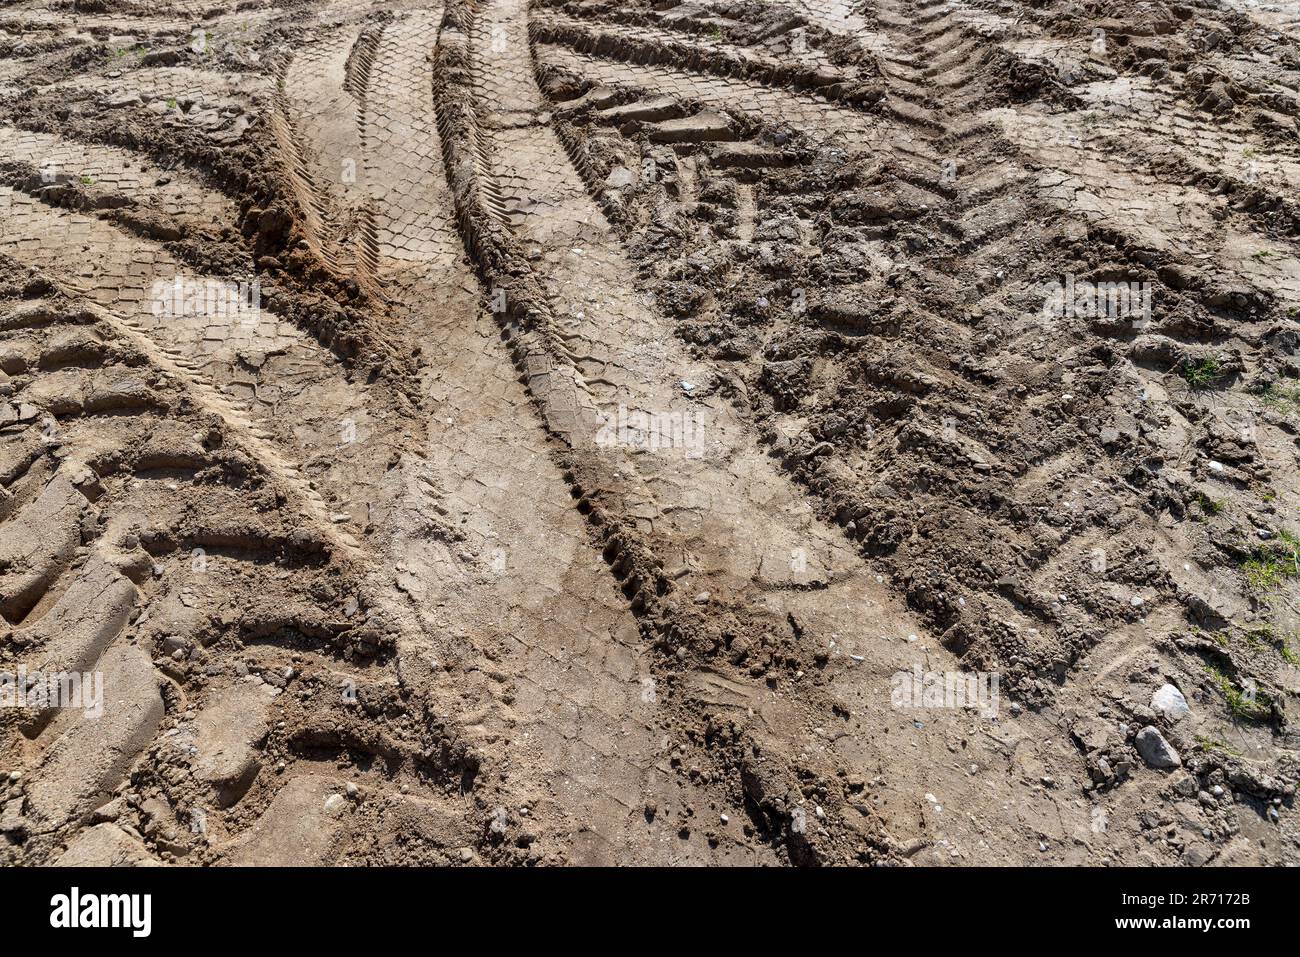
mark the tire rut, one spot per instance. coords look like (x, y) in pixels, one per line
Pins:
(710, 385)
(696, 516)
(149, 475)
(568, 691)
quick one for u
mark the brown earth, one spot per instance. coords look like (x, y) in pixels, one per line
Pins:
(637, 396)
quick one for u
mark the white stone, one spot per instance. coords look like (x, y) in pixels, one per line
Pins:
(1169, 701)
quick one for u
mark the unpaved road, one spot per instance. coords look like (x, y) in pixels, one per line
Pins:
(566, 432)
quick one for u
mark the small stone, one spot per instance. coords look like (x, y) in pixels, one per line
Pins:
(110, 811)
(1155, 750)
(1197, 855)
(619, 177)
(334, 803)
(120, 100)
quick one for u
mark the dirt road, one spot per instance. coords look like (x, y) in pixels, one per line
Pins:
(715, 433)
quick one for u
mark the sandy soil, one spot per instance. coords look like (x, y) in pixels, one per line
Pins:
(569, 432)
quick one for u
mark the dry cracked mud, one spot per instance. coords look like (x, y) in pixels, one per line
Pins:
(721, 432)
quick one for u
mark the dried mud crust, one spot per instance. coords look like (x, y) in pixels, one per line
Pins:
(377, 577)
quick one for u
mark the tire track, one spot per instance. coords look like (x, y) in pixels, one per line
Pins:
(518, 589)
(985, 212)
(725, 524)
(309, 92)
(647, 45)
(120, 282)
(805, 70)
(412, 219)
(183, 86)
(120, 174)
(691, 432)
(128, 430)
(818, 119)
